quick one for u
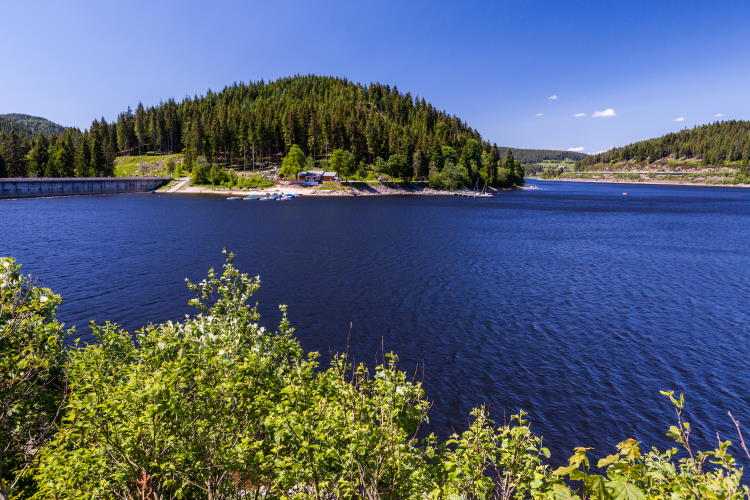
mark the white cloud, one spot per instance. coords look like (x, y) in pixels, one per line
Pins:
(719, 115)
(578, 148)
(597, 152)
(579, 115)
(552, 97)
(679, 119)
(540, 114)
(604, 114)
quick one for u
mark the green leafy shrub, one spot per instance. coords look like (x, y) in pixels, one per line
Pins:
(31, 387)
(254, 182)
(216, 406)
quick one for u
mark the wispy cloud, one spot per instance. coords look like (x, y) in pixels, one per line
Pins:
(577, 148)
(679, 119)
(719, 115)
(540, 114)
(606, 113)
(597, 152)
(553, 97)
(579, 115)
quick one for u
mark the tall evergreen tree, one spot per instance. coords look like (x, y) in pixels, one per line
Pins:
(97, 161)
(64, 156)
(83, 158)
(13, 154)
(38, 156)
(491, 168)
(141, 127)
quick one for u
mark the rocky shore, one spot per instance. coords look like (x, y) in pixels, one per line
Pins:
(335, 189)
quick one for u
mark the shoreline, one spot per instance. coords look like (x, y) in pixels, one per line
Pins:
(649, 182)
(382, 189)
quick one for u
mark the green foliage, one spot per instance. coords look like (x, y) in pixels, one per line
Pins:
(32, 124)
(451, 177)
(398, 166)
(712, 144)
(217, 406)
(170, 166)
(201, 174)
(256, 123)
(149, 165)
(632, 474)
(253, 182)
(293, 163)
(31, 388)
(343, 163)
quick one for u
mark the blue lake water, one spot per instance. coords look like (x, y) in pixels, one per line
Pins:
(573, 302)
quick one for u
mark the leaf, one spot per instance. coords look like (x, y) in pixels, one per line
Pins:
(596, 488)
(607, 460)
(625, 491)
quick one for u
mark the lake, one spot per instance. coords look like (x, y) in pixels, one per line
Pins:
(573, 302)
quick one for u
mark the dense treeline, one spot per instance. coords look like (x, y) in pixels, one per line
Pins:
(256, 124)
(71, 154)
(217, 407)
(529, 156)
(32, 124)
(714, 144)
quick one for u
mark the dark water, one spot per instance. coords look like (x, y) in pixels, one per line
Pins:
(573, 302)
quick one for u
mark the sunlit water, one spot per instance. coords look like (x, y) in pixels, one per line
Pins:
(573, 302)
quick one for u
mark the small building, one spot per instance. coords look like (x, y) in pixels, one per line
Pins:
(310, 176)
(316, 176)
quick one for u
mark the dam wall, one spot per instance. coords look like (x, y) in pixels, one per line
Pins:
(75, 186)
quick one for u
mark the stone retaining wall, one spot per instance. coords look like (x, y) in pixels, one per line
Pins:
(73, 186)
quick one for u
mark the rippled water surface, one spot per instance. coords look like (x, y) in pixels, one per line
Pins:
(573, 302)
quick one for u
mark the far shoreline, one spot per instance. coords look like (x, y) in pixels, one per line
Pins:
(652, 182)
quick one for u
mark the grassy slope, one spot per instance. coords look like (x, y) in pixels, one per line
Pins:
(144, 165)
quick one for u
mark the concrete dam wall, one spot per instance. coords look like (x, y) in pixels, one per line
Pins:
(73, 186)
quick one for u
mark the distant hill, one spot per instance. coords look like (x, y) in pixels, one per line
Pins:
(31, 124)
(528, 156)
(320, 114)
(362, 131)
(714, 145)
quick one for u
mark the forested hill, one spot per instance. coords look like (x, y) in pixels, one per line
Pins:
(715, 144)
(320, 114)
(31, 124)
(375, 127)
(527, 156)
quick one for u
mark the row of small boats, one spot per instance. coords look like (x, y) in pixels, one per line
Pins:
(266, 197)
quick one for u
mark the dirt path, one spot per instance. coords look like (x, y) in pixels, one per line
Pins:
(178, 186)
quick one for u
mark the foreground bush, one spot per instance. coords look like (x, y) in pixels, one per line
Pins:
(216, 406)
(31, 389)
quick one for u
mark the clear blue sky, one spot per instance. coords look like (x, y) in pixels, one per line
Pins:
(494, 64)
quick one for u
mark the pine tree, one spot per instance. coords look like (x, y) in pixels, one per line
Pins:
(491, 168)
(141, 127)
(13, 153)
(97, 160)
(64, 157)
(509, 164)
(417, 164)
(38, 156)
(83, 158)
